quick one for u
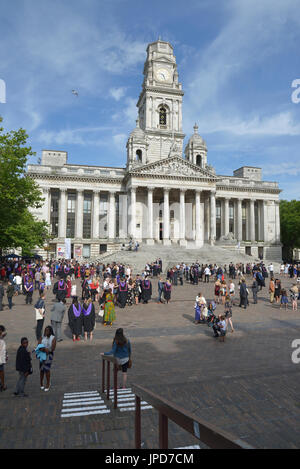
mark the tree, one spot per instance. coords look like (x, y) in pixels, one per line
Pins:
(18, 194)
(290, 226)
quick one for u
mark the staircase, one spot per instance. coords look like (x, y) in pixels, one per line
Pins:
(172, 255)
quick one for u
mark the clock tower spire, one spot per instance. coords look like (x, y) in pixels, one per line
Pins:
(160, 102)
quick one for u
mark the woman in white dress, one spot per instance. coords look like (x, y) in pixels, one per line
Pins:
(48, 280)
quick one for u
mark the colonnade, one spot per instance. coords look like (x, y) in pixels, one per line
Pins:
(204, 202)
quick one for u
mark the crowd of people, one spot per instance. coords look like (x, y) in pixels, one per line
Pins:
(93, 291)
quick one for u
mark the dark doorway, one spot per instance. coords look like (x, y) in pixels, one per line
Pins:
(161, 231)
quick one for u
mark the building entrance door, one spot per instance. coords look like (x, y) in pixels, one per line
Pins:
(161, 231)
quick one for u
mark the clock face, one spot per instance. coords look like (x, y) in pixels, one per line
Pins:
(162, 74)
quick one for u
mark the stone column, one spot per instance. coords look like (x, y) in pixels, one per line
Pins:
(239, 220)
(46, 194)
(206, 219)
(226, 216)
(198, 217)
(182, 240)
(252, 221)
(62, 214)
(112, 215)
(277, 221)
(79, 214)
(96, 214)
(264, 224)
(212, 217)
(166, 218)
(150, 239)
(132, 211)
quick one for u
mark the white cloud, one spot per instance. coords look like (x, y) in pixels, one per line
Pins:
(128, 113)
(120, 141)
(279, 124)
(59, 48)
(78, 136)
(253, 32)
(117, 93)
(284, 168)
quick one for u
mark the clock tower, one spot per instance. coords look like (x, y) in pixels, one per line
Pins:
(160, 103)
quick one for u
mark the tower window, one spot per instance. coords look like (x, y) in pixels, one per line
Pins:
(139, 156)
(199, 160)
(162, 116)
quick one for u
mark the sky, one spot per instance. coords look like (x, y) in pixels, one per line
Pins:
(237, 61)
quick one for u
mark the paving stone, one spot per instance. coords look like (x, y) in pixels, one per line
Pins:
(247, 386)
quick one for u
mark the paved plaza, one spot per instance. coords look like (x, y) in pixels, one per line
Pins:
(247, 386)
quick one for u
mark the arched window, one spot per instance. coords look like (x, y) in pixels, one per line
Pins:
(199, 160)
(139, 156)
(162, 116)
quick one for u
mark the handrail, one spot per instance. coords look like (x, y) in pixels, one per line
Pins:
(207, 433)
(110, 359)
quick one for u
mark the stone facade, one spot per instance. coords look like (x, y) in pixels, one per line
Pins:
(159, 197)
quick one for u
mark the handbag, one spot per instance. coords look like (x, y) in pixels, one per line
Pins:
(101, 313)
(129, 365)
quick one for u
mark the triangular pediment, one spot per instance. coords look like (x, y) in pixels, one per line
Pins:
(174, 166)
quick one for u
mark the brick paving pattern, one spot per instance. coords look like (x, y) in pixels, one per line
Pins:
(247, 386)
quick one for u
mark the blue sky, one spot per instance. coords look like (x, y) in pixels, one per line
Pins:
(236, 60)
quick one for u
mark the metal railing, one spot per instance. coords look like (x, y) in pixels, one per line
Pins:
(212, 436)
(110, 359)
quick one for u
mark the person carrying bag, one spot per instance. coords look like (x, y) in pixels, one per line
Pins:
(121, 350)
(40, 315)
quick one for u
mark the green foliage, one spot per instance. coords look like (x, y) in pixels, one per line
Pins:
(18, 194)
(290, 223)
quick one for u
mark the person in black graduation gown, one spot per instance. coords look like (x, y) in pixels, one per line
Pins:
(146, 290)
(122, 293)
(75, 319)
(60, 289)
(88, 317)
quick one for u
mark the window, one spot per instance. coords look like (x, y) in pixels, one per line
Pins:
(172, 214)
(103, 248)
(117, 209)
(163, 116)
(87, 216)
(244, 221)
(139, 156)
(54, 213)
(86, 251)
(103, 215)
(256, 215)
(71, 210)
(199, 160)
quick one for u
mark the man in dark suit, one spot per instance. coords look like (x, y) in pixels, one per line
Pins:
(160, 289)
(243, 294)
(57, 315)
(1, 296)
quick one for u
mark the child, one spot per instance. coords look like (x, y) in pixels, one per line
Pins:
(228, 311)
(73, 291)
(23, 366)
(222, 327)
(284, 299)
(210, 313)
